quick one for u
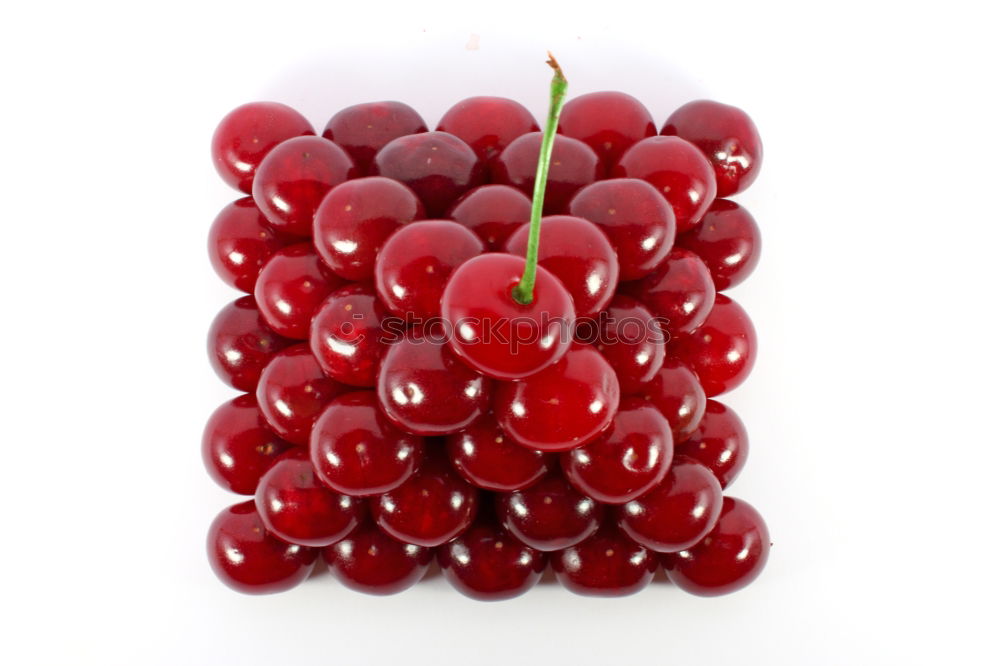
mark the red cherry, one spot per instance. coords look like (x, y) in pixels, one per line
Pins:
(609, 122)
(487, 124)
(356, 218)
(729, 558)
(681, 291)
(357, 451)
(561, 407)
(237, 447)
(676, 514)
(364, 129)
(728, 241)
(678, 170)
(293, 179)
(493, 212)
(249, 559)
(549, 515)
(240, 344)
(722, 350)
(637, 220)
(370, 561)
(239, 243)
(437, 166)
(573, 166)
(492, 332)
(632, 341)
(726, 136)
(347, 335)
(487, 458)
(415, 263)
(291, 287)
(247, 134)
(675, 391)
(720, 443)
(607, 564)
(579, 254)
(488, 564)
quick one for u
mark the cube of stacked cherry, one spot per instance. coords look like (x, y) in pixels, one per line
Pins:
(370, 436)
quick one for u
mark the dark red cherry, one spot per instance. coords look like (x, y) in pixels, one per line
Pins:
(239, 243)
(291, 287)
(492, 332)
(549, 515)
(493, 212)
(487, 124)
(437, 166)
(632, 341)
(676, 514)
(574, 165)
(247, 134)
(415, 263)
(609, 122)
(293, 179)
(720, 443)
(363, 129)
(727, 137)
(561, 407)
(370, 561)
(678, 170)
(357, 451)
(728, 242)
(729, 558)
(237, 447)
(676, 392)
(249, 559)
(487, 458)
(240, 344)
(487, 563)
(638, 221)
(681, 291)
(579, 254)
(356, 218)
(608, 564)
(722, 350)
(347, 335)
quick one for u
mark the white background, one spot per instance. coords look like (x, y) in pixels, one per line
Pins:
(872, 410)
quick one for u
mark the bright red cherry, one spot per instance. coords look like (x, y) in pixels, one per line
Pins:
(681, 291)
(293, 179)
(637, 220)
(247, 134)
(607, 564)
(609, 122)
(249, 559)
(437, 166)
(363, 129)
(493, 212)
(487, 563)
(240, 243)
(676, 392)
(370, 561)
(549, 515)
(487, 124)
(631, 339)
(574, 165)
(240, 344)
(357, 451)
(729, 558)
(495, 334)
(356, 218)
(728, 241)
(720, 443)
(347, 335)
(722, 350)
(726, 136)
(678, 170)
(678, 513)
(291, 287)
(579, 254)
(415, 263)
(561, 407)
(487, 458)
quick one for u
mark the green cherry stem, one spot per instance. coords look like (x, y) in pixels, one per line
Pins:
(524, 291)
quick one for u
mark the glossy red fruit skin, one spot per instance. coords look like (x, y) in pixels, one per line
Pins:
(608, 564)
(357, 451)
(720, 443)
(676, 392)
(632, 342)
(249, 559)
(728, 242)
(237, 447)
(493, 333)
(727, 137)
(487, 124)
(676, 514)
(492, 212)
(678, 170)
(549, 515)
(415, 263)
(247, 134)
(609, 122)
(240, 243)
(291, 287)
(729, 558)
(347, 336)
(561, 407)
(364, 129)
(370, 561)
(722, 350)
(488, 564)
(293, 179)
(579, 254)
(240, 344)
(637, 220)
(355, 219)
(681, 291)
(487, 458)
(437, 166)
(574, 165)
